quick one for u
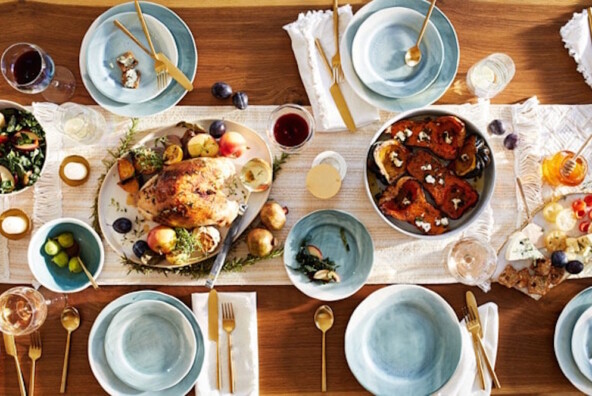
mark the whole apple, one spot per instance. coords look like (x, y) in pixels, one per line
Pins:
(232, 144)
(162, 239)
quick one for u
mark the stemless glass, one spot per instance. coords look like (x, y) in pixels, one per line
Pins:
(24, 309)
(80, 123)
(29, 69)
(472, 262)
(290, 127)
(490, 75)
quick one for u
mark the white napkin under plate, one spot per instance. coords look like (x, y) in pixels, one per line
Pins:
(245, 351)
(465, 380)
(314, 74)
(576, 36)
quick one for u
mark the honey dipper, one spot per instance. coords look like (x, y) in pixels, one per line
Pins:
(570, 164)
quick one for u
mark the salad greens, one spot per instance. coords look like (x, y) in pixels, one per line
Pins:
(22, 150)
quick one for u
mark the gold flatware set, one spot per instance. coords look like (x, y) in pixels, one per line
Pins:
(228, 325)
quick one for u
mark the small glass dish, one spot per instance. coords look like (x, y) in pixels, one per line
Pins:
(66, 170)
(290, 127)
(12, 215)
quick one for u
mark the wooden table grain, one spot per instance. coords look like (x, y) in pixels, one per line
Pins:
(242, 42)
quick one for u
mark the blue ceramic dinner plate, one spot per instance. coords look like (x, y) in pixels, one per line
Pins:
(323, 229)
(562, 340)
(434, 91)
(581, 343)
(60, 279)
(96, 349)
(108, 42)
(187, 62)
(150, 345)
(403, 340)
(379, 47)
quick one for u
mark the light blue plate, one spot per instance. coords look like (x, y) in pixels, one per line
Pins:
(581, 343)
(379, 48)
(562, 340)
(434, 91)
(150, 345)
(60, 279)
(108, 42)
(323, 229)
(403, 340)
(96, 349)
(187, 62)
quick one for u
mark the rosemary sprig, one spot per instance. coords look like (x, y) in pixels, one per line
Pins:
(278, 162)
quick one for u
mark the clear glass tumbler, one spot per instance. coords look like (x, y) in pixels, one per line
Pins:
(490, 75)
(80, 123)
(472, 262)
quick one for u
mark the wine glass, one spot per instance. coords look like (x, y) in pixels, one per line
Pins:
(24, 309)
(472, 262)
(290, 127)
(29, 69)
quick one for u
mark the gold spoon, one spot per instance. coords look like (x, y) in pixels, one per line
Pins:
(413, 54)
(324, 318)
(70, 321)
(88, 274)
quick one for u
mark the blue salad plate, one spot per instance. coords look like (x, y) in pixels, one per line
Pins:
(97, 358)
(403, 340)
(434, 91)
(340, 237)
(379, 48)
(187, 61)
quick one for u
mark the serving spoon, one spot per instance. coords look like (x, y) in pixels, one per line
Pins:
(324, 319)
(413, 54)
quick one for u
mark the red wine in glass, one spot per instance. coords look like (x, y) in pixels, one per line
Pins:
(27, 67)
(290, 127)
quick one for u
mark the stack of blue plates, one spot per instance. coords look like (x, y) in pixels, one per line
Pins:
(104, 42)
(373, 54)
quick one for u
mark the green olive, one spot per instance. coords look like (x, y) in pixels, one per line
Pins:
(51, 247)
(66, 240)
(60, 259)
(74, 265)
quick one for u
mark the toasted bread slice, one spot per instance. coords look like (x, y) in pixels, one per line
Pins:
(126, 61)
(453, 195)
(444, 136)
(406, 201)
(131, 78)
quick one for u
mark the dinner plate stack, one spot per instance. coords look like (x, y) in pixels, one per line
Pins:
(373, 54)
(573, 341)
(146, 343)
(104, 42)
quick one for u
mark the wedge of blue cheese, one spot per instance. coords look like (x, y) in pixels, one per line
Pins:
(520, 247)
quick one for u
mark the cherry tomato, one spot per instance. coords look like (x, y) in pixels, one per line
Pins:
(578, 205)
(588, 200)
(580, 214)
(584, 226)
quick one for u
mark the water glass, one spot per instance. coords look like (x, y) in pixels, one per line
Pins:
(490, 75)
(472, 261)
(80, 123)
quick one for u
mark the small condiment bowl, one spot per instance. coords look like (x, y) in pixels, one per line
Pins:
(18, 213)
(78, 160)
(58, 279)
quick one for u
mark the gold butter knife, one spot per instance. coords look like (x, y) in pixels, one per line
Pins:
(590, 21)
(10, 346)
(173, 70)
(336, 92)
(213, 330)
(474, 311)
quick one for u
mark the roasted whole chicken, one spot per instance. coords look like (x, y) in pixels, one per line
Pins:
(190, 194)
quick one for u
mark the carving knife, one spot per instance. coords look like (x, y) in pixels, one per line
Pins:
(213, 330)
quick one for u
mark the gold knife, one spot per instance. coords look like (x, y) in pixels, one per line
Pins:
(213, 330)
(336, 92)
(590, 21)
(472, 306)
(10, 346)
(173, 70)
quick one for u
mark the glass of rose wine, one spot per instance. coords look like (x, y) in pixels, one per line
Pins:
(24, 309)
(29, 69)
(290, 127)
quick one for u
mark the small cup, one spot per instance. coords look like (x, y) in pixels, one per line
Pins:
(490, 75)
(290, 127)
(472, 262)
(80, 123)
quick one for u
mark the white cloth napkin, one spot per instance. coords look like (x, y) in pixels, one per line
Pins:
(576, 36)
(465, 380)
(314, 74)
(245, 352)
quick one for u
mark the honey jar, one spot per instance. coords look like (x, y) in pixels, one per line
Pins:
(552, 165)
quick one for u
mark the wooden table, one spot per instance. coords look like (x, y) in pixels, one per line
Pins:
(242, 42)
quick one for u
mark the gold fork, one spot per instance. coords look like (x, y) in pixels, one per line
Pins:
(474, 328)
(34, 354)
(228, 324)
(336, 60)
(159, 66)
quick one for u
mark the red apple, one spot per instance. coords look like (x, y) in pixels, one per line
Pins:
(314, 251)
(25, 140)
(232, 144)
(162, 239)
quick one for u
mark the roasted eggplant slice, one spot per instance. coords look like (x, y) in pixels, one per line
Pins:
(390, 158)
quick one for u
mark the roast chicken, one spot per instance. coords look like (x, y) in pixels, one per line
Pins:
(190, 194)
